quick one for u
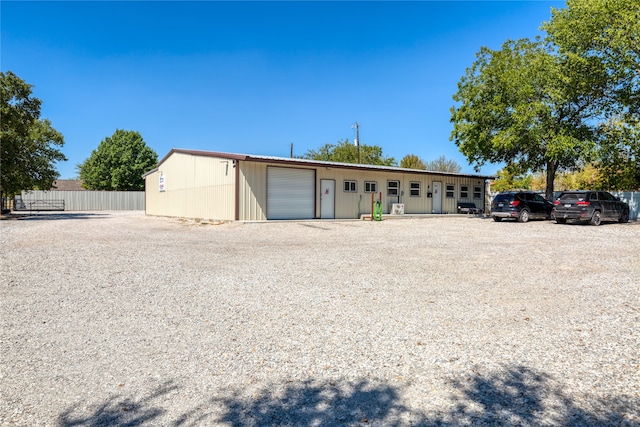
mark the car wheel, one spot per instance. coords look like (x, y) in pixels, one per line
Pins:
(524, 216)
(596, 219)
(497, 219)
(561, 221)
(624, 217)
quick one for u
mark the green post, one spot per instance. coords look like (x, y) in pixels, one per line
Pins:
(377, 211)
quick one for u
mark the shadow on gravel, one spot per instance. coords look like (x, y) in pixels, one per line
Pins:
(526, 397)
(55, 216)
(119, 411)
(312, 403)
(520, 396)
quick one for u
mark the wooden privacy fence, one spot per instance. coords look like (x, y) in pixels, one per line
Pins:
(89, 200)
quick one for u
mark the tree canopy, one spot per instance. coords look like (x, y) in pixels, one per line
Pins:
(607, 33)
(118, 163)
(411, 161)
(539, 105)
(442, 164)
(524, 106)
(30, 145)
(346, 152)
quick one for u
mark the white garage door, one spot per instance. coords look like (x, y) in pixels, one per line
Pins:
(290, 193)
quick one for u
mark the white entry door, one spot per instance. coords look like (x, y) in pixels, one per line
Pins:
(327, 199)
(437, 197)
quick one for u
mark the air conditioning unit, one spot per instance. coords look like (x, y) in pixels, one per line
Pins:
(397, 209)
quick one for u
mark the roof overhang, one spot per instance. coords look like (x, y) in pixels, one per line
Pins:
(308, 163)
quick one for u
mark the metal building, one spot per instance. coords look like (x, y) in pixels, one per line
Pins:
(224, 186)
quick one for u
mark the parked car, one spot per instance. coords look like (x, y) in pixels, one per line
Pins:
(520, 205)
(592, 206)
(468, 208)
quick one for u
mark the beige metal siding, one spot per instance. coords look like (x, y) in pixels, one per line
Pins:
(352, 205)
(195, 187)
(205, 187)
(347, 204)
(252, 191)
(449, 204)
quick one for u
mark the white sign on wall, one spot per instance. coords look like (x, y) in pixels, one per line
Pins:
(161, 183)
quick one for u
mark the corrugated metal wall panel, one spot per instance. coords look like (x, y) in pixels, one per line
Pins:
(354, 204)
(252, 191)
(91, 200)
(194, 187)
(633, 200)
(190, 182)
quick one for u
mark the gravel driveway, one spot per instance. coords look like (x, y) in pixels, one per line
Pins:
(115, 318)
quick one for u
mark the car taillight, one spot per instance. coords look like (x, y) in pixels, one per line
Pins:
(515, 203)
(582, 203)
(557, 202)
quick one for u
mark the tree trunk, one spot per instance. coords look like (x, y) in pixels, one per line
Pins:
(551, 175)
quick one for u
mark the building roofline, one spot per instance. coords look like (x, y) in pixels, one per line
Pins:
(307, 162)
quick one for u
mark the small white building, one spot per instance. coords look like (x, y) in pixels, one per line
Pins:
(226, 186)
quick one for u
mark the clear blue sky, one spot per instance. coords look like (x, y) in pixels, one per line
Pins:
(255, 77)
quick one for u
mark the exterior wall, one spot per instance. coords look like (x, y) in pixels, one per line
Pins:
(215, 187)
(194, 187)
(252, 191)
(354, 204)
(90, 200)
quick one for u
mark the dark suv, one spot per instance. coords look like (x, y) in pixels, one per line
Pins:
(592, 206)
(520, 205)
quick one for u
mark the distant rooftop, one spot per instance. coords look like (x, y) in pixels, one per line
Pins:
(68, 185)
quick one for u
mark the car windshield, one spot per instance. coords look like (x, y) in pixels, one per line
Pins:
(572, 197)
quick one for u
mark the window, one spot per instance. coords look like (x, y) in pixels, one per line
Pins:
(414, 189)
(477, 192)
(464, 191)
(350, 186)
(393, 188)
(451, 190)
(603, 195)
(370, 186)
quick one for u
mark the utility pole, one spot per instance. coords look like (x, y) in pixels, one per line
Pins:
(357, 141)
(291, 151)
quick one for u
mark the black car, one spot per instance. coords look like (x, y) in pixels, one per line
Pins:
(520, 205)
(592, 206)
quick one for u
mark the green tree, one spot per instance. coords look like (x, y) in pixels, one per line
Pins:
(411, 161)
(509, 178)
(605, 31)
(346, 152)
(442, 164)
(585, 178)
(619, 156)
(118, 163)
(605, 34)
(29, 145)
(528, 106)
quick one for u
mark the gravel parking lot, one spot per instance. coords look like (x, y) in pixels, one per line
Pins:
(115, 318)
